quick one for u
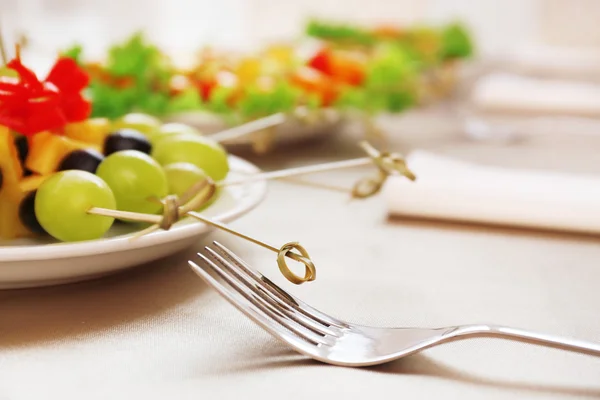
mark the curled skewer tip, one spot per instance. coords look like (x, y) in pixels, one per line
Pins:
(3, 55)
(396, 163)
(387, 164)
(310, 272)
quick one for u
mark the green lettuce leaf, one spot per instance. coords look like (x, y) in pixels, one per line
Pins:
(187, 100)
(257, 103)
(110, 102)
(339, 32)
(389, 85)
(353, 98)
(457, 42)
(74, 52)
(147, 68)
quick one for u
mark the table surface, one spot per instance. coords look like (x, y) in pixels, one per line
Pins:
(159, 332)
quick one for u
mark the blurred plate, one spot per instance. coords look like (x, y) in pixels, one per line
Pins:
(33, 263)
(310, 126)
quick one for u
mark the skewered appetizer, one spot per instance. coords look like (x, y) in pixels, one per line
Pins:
(427, 43)
(56, 163)
(385, 69)
(434, 51)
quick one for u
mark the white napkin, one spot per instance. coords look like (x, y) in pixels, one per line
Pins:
(554, 60)
(449, 189)
(503, 92)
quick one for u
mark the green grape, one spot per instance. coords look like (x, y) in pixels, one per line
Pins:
(212, 200)
(62, 202)
(204, 153)
(135, 179)
(144, 123)
(182, 176)
(173, 129)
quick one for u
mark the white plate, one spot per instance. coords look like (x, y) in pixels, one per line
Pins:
(33, 263)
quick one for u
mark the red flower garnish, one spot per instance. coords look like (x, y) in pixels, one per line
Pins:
(30, 106)
(70, 81)
(26, 75)
(67, 76)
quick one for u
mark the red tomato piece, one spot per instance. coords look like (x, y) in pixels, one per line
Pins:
(321, 61)
(339, 66)
(315, 82)
(206, 87)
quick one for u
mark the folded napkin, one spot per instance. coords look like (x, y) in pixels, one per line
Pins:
(503, 92)
(450, 189)
(554, 60)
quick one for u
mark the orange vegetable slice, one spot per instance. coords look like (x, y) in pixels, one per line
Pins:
(248, 70)
(31, 183)
(10, 165)
(10, 226)
(47, 150)
(315, 82)
(92, 131)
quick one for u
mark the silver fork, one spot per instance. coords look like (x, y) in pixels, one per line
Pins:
(331, 340)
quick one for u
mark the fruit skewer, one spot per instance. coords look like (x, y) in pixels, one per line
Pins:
(45, 131)
(85, 173)
(201, 192)
(171, 156)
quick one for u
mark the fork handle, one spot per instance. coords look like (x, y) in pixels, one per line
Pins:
(521, 335)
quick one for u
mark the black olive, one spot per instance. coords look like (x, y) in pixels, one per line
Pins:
(85, 160)
(126, 139)
(27, 214)
(22, 146)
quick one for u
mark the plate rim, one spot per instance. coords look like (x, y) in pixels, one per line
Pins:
(43, 252)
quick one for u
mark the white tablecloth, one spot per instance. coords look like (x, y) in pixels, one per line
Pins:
(159, 333)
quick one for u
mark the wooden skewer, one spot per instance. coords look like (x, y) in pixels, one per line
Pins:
(173, 209)
(249, 128)
(258, 125)
(3, 48)
(286, 173)
(317, 185)
(311, 169)
(196, 196)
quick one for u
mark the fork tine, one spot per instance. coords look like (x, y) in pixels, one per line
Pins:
(267, 308)
(277, 292)
(280, 306)
(250, 310)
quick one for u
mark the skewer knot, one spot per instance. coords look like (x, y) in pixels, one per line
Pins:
(170, 212)
(310, 272)
(387, 164)
(174, 207)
